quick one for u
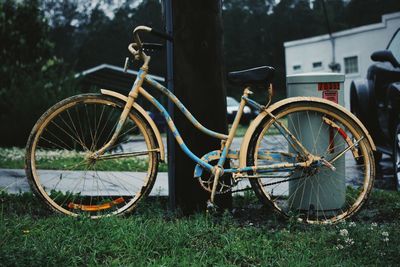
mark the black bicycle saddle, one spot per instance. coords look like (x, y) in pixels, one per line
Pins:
(255, 76)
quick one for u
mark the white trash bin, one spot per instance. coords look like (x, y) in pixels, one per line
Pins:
(327, 197)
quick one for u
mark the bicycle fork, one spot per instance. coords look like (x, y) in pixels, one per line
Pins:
(133, 94)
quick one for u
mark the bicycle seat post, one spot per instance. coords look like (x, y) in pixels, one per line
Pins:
(235, 124)
(219, 169)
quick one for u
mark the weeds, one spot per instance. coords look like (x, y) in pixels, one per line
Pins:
(250, 236)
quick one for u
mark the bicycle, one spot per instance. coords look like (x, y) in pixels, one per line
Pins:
(306, 157)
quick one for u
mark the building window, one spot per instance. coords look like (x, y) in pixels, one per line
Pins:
(296, 67)
(317, 65)
(351, 65)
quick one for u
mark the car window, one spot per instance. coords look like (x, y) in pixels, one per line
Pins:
(230, 101)
(394, 46)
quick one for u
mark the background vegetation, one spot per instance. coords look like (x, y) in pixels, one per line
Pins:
(45, 42)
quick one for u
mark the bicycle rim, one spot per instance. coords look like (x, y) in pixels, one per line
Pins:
(62, 172)
(315, 194)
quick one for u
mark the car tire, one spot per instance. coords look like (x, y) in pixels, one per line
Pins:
(396, 156)
(245, 120)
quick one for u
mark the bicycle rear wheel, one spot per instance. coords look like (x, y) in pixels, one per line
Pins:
(315, 194)
(62, 172)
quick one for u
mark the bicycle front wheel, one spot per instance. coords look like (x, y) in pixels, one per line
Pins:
(60, 164)
(319, 193)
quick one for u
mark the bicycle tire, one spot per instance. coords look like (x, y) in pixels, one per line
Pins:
(61, 172)
(292, 189)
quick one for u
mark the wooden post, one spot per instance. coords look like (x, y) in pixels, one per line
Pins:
(199, 83)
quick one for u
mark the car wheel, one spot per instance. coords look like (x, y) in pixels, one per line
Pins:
(245, 120)
(396, 156)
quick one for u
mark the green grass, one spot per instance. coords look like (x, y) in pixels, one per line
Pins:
(33, 236)
(14, 158)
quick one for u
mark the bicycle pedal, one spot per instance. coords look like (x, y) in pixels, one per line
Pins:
(211, 207)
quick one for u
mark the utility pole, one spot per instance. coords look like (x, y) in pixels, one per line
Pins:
(167, 16)
(198, 71)
(334, 66)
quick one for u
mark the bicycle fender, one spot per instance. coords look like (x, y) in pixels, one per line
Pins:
(255, 123)
(145, 116)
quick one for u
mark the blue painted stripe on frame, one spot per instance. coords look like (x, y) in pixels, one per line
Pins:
(138, 77)
(175, 132)
(183, 109)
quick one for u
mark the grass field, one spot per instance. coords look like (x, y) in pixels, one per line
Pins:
(14, 158)
(155, 236)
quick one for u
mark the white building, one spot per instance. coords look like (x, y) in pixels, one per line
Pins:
(351, 49)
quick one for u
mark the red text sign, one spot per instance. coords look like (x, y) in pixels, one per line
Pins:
(328, 86)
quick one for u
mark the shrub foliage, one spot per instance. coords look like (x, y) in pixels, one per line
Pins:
(31, 78)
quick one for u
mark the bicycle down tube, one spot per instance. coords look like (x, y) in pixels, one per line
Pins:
(138, 89)
(192, 119)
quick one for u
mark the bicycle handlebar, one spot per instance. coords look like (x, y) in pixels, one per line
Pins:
(137, 47)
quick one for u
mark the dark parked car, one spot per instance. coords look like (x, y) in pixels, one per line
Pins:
(375, 100)
(232, 106)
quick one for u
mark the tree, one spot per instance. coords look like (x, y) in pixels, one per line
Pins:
(361, 12)
(65, 19)
(31, 78)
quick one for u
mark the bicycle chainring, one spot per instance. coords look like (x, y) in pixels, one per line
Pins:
(225, 182)
(206, 179)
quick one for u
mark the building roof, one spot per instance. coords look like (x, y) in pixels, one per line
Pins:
(111, 77)
(351, 31)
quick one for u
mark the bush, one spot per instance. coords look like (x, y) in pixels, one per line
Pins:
(31, 78)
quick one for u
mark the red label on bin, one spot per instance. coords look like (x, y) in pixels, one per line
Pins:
(328, 86)
(334, 97)
(331, 95)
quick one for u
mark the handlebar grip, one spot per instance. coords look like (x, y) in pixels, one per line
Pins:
(162, 35)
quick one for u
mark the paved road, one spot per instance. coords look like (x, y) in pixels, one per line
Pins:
(15, 181)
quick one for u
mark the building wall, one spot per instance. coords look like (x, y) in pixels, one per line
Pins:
(361, 42)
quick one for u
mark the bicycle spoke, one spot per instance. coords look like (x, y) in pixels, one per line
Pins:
(72, 180)
(324, 193)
